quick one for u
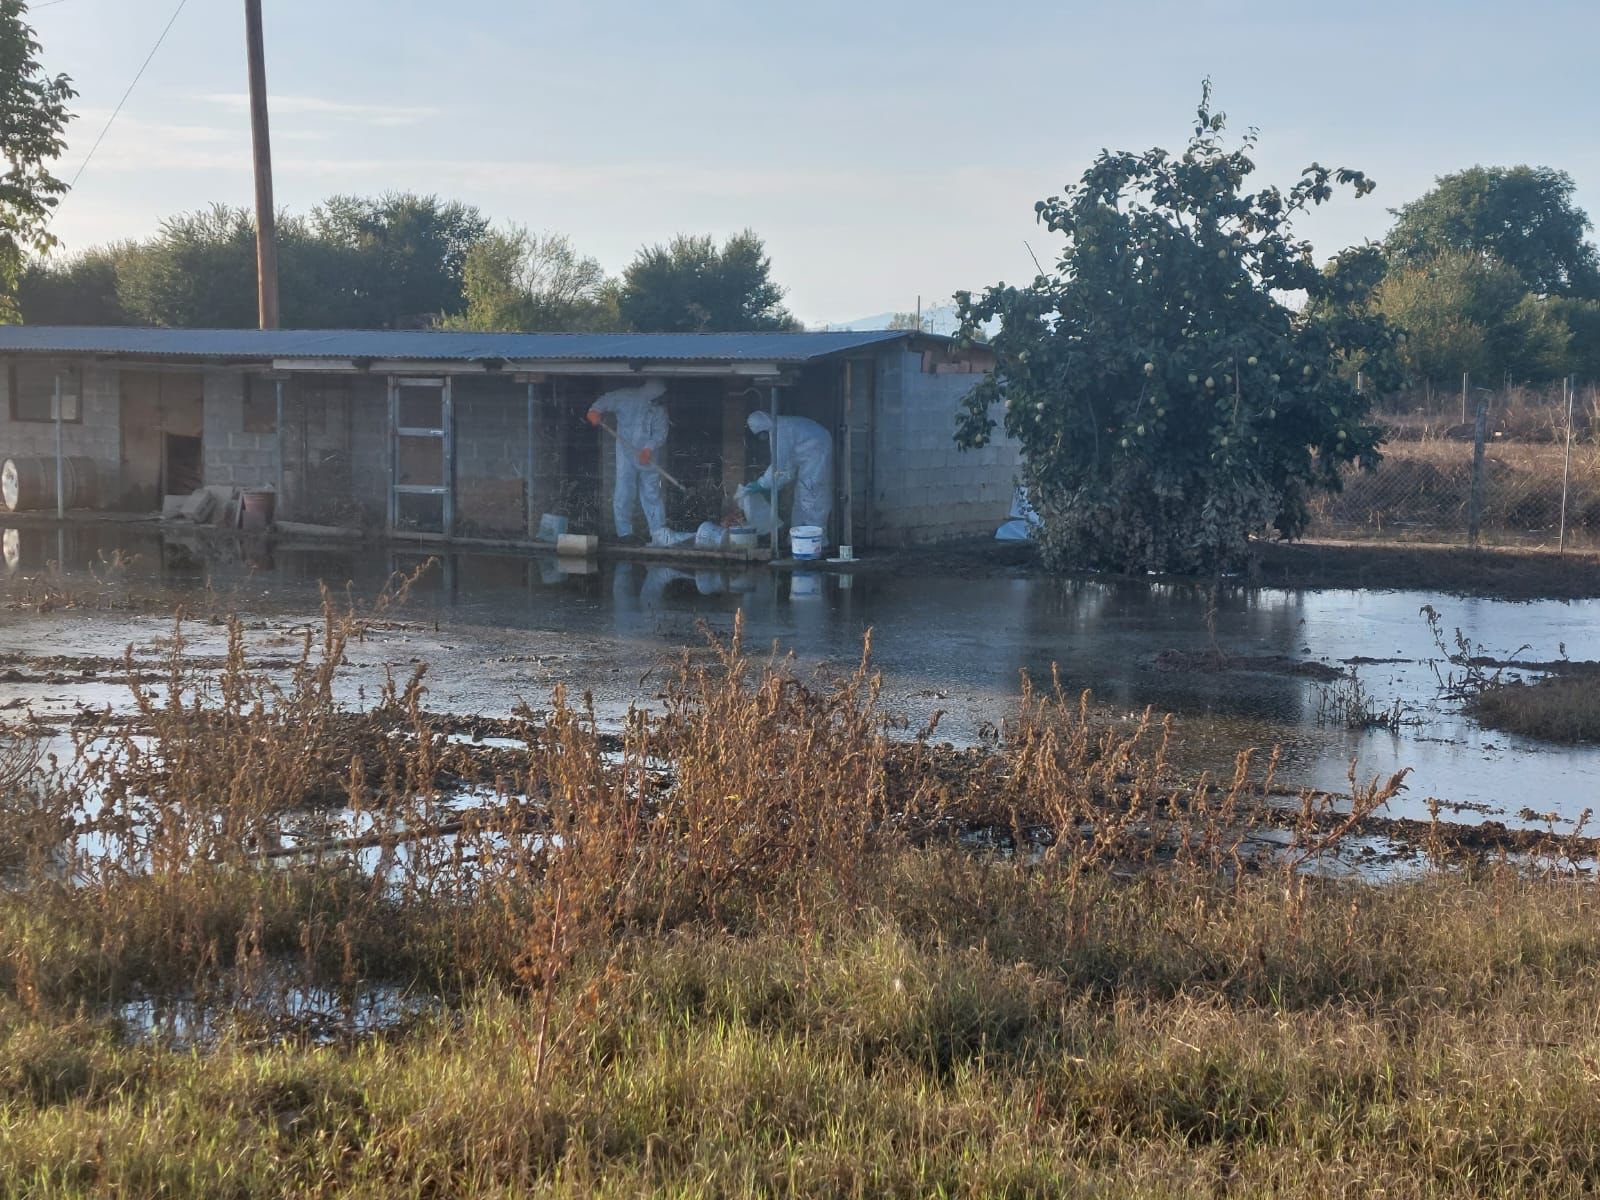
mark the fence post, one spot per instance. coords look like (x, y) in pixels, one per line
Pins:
(1568, 385)
(1464, 379)
(1480, 429)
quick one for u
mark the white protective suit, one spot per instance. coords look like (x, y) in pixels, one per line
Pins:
(641, 426)
(803, 456)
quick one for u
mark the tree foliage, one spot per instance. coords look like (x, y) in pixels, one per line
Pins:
(33, 118)
(517, 280)
(393, 261)
(404, 255)
(78, 290)
(689, 286)
(1466, 311)
(1521, 216)
(1169, 403)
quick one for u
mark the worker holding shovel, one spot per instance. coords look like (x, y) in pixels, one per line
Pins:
(640, 434)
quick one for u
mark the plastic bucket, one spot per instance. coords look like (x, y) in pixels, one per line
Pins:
(742, 537)
(710, 536)
(806, 541)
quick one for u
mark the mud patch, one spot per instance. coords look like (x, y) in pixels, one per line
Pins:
(1214, 661)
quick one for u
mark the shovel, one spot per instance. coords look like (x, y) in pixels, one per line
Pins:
(661, 471)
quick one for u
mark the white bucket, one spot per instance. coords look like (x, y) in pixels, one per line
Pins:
(710, 536)
(806, 541)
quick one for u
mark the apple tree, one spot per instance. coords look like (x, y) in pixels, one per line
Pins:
(1184, 379)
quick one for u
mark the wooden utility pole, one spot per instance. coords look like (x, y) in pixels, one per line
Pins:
(266, 227)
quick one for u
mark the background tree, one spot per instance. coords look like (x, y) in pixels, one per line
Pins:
(689, 286)
(1467, 311)
(76, 290)
(516, 280)
(1522, 216)
(406, 254)
(199, 271)
(1169, 404)
(1582, 321)
(33, 117)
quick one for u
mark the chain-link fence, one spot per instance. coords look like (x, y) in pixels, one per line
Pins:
(1532, 478)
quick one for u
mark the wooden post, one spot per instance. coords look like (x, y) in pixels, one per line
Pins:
(872, 453)
(847, 535)
(528, 484)
(281, 510)
(266, 224)
(1480, 430)
(61, 486)
(1464, 378)
(1569, 385)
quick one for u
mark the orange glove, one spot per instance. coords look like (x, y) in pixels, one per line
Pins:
(593, 417)
(646, 456)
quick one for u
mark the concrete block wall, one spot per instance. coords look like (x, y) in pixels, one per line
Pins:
(97, 436)
(491, 456)
(927, 489)
(336, 450)
(368, 447)
(231, 456)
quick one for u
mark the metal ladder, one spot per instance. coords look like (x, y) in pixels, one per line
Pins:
(444, 435)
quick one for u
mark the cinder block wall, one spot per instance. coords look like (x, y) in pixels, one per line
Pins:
(232, 456)
(925, 488)
(491, 456)
(98, 435)
(336, 465)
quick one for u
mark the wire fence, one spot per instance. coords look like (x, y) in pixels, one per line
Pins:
(1521, 470)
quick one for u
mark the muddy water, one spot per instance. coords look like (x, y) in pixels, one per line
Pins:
(499, 629)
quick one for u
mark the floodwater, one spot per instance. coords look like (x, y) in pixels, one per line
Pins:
(499, 629)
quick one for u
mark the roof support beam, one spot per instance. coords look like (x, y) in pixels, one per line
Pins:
(520, 371)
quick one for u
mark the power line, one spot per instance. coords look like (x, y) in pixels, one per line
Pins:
(114, 112)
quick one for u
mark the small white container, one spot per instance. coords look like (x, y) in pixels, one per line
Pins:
(710, 536)
(806, 542)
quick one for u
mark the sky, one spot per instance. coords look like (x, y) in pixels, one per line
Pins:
(883, 151)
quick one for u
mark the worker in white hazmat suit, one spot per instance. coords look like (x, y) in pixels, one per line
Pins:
(641, 432)
(803, 456)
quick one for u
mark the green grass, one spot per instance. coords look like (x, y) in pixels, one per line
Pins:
(974, 1028)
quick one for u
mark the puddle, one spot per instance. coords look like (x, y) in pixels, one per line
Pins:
(314, 1014)
(499, 629)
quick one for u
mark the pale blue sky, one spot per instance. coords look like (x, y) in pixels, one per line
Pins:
(882, 150)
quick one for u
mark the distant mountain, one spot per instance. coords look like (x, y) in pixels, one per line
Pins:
(938, 318)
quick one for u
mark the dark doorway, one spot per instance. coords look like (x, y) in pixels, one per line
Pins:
(184, 472)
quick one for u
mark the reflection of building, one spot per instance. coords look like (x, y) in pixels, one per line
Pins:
(469, 434)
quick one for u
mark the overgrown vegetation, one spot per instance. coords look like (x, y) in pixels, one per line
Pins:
(755, 942)
(1169, 404)
(402, 260)
(1555, 708)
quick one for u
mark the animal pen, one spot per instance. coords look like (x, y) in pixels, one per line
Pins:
(478, 437)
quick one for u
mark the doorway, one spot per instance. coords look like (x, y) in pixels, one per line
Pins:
(162, 447)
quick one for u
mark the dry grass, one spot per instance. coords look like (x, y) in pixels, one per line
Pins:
(1557, 708)
(1423, 489)
(754, 945)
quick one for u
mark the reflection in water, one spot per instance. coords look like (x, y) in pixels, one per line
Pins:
(954, 644)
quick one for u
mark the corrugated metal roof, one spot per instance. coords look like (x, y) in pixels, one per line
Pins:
(437, 345)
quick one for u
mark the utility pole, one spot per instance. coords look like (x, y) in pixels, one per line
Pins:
(266, 228)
